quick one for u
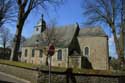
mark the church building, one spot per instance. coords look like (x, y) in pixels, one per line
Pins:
(75, 46)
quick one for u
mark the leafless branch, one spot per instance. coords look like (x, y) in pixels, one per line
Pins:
(110, 13)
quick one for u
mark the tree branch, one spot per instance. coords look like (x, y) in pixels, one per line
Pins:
(25, 3)
(19, 2)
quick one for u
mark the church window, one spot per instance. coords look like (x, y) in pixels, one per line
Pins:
(33, 52)
(25, 52)
(86, 51)
(41, 53)
(59, 55)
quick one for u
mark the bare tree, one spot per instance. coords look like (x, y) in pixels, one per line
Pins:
(111, 13)
(5, 37)
(23, 39)
(51, 34)
(24, 9)
(11, 44)
(6, 11)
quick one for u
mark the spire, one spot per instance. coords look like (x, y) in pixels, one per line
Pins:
(43, 23)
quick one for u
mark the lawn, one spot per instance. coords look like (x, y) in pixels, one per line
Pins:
(59, 69)
(18, 64)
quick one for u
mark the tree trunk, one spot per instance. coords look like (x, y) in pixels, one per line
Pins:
(119, 48)
(4, 50)
(15, 50)
(22, 15)
(122, 40)
(122, 37)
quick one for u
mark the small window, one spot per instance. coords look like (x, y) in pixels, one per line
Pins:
(37, 41)
(41, 53)
(37, 29)
(25, 52)
(86, 51)
(33, 52)
(59, 55)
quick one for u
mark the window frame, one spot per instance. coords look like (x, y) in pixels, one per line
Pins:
(40, 53)
(59, 55)
(26, 52)
(84, 51)
(33, 52)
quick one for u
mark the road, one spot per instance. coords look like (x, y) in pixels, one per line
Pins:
(6, 78)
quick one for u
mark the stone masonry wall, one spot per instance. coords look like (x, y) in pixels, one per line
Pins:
(69, 77)
(66, 76)
(42, 60)
(75, 61)
(98, 51)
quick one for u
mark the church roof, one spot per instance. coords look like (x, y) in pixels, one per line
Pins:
(63, 36)
(31, 41)
(92, 31)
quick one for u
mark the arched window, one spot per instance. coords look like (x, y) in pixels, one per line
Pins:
(86, 51)
(33, 52)
(25, 52)
(59, 55)
(41, 53)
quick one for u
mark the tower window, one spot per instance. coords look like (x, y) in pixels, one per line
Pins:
(37, 29)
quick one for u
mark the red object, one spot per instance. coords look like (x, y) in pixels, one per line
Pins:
(51, 50)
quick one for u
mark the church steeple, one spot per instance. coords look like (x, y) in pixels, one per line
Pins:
(43, 23)
(40, 27)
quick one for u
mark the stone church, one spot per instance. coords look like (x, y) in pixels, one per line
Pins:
(74, 46)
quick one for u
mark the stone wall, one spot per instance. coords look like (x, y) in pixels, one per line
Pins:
(64, 61)
(42, 60)
(69, 77)
(63, 76)
(98, 51)
(80, 79)
(75, 61)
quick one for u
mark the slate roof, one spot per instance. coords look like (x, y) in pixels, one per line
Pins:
(30, 41)
(92, 31)
(64, 36)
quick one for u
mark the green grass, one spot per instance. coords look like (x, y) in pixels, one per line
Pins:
(18, 64)
(60, 69)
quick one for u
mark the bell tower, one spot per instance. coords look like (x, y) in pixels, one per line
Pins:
(40, 27)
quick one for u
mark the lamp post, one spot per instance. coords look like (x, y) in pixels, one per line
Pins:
(51, 52)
